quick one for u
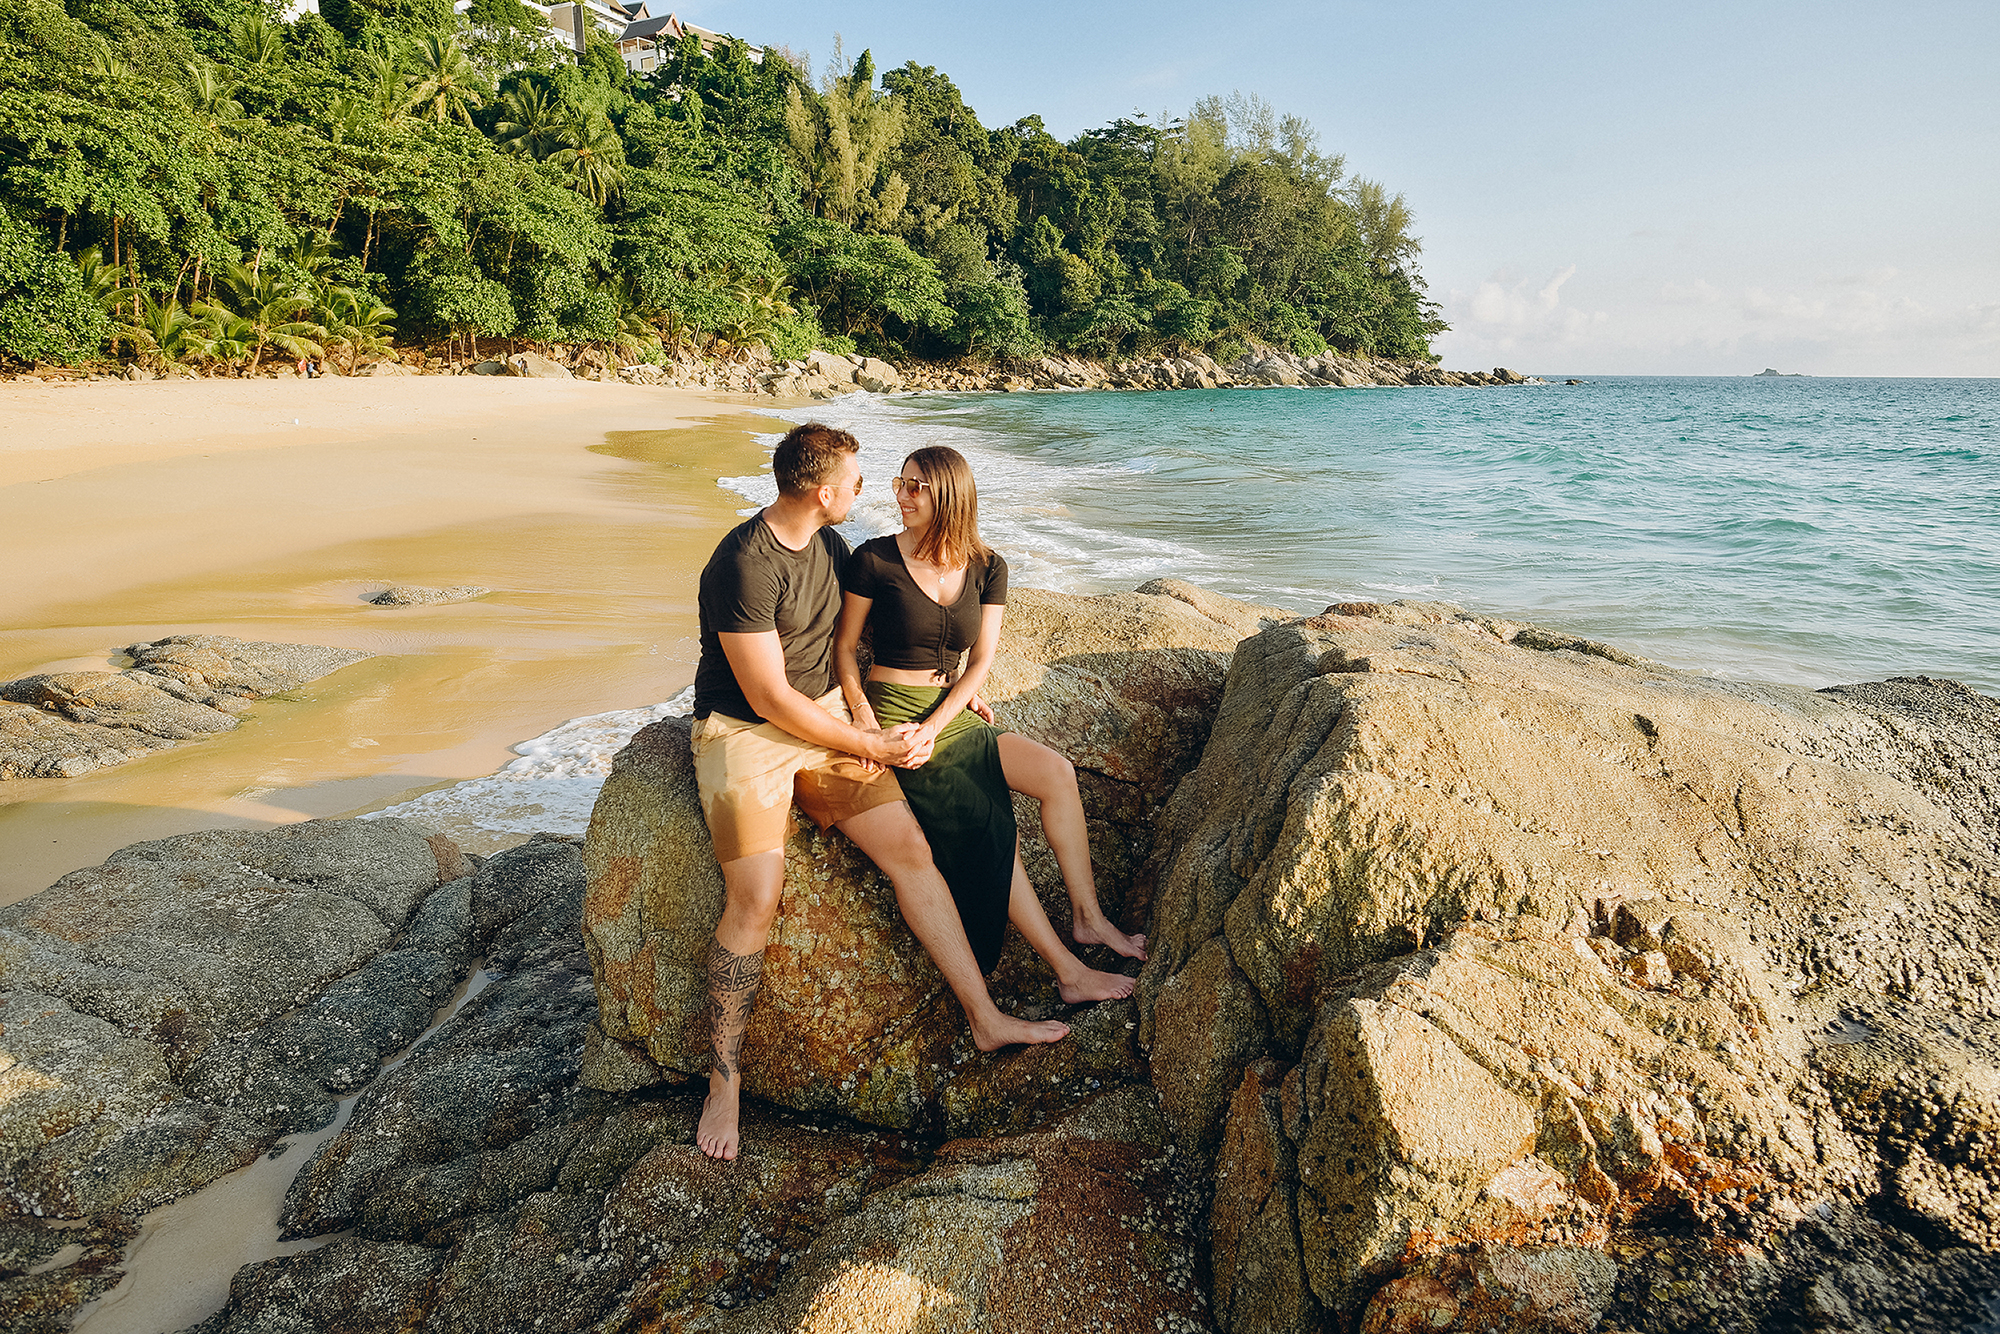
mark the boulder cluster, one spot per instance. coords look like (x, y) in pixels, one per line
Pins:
(1258, 368)
(65, 724)
(823, 375)
(1499, 980)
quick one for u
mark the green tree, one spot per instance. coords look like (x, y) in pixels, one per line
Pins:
(841, 141)
(164, 334)
(443, 83)
(868, 285)
(357, 325)
(267, 312)
(45, 313)
(531, 120)
(592, 156)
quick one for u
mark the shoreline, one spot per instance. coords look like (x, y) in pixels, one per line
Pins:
(138, 510)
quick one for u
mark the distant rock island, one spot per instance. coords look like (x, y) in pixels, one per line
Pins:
(1782, 375)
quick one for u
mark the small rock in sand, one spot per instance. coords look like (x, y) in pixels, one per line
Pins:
(408, 595)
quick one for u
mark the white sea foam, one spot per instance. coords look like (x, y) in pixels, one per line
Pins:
(550, 789)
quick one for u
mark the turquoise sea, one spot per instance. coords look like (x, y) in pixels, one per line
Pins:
(1804, 530)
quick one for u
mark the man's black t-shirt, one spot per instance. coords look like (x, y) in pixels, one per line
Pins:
(755, 583)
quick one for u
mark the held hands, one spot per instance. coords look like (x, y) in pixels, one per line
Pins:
(906, 745)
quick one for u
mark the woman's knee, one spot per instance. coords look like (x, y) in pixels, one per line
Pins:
(1034, 769)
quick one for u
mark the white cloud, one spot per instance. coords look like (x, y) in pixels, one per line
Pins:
(1505, 315)
(1871, 322)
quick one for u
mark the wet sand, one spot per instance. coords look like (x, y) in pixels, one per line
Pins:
(133, 511)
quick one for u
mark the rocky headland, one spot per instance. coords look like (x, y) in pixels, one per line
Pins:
(1500, 980)
(828, 374)
(823, 375)
(181, 688)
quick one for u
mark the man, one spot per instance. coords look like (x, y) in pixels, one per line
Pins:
(771, 727)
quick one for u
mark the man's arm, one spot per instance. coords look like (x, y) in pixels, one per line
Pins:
(759, 663)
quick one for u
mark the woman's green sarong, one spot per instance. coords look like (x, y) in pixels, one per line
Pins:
(962, 803)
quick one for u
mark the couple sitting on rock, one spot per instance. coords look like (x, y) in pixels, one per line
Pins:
(782, 713)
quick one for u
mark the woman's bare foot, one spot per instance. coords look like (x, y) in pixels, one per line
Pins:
(1007, 1030)
(1091, 985)
(1101, 932)
(718, 1135)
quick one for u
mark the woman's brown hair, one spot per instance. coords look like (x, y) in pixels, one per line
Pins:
(952, 539)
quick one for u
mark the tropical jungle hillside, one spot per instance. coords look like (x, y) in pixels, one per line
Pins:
(200, 182)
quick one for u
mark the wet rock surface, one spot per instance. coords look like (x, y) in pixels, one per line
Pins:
(65, 724)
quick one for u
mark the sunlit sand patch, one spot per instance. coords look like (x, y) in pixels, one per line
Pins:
(588, 509)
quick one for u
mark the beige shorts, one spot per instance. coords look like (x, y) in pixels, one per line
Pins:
(750, 773)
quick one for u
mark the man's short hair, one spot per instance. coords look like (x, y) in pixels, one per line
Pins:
(808, 457)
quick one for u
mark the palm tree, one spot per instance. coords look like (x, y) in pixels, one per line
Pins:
(445, 83)
(592, 155)
(381, 68)
(109, 67)
(347, 117)
(164, 333)
(103, 284)
(356, 323)
(222, 335)
(531, 121)
(258, 40)
(272, 310)
(208, 92)
(311, 256)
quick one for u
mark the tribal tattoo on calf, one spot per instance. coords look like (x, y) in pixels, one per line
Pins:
(732, 989)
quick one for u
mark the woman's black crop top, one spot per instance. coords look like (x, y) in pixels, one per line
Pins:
(912, 632)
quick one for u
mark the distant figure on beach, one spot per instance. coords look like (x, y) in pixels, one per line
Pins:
(933, 593)
(770, 727)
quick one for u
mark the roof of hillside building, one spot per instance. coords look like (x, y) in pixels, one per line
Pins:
(671, 28)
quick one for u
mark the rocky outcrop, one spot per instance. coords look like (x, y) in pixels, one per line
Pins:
(1124, 683)
(166, 1016)
(535, 366)
(478, 1185)
(411, 595)
(1261, 367)
(63, 724)
(1487, 960)
(824, 375)
(1502, 980)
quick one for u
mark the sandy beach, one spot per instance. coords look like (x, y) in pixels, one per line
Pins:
(269, 509)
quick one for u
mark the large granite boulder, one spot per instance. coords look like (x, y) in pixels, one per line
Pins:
(852, 1016)
(1484, 954)
(64, 724)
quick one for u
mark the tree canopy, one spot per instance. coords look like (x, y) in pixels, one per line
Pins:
(199, 180)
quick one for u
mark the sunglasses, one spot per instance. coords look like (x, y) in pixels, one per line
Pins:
(910, 484)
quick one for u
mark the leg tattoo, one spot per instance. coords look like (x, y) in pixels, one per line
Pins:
(732, 990)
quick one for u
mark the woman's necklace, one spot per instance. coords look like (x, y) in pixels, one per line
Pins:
(928, 576)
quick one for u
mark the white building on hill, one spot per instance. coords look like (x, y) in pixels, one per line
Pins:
(644, 37)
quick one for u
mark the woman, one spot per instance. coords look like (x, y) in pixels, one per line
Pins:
(931, 592)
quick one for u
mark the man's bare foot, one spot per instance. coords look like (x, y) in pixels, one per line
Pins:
(1091, 985)
(718, 1135)
(1007, 1030)
(1101, 932)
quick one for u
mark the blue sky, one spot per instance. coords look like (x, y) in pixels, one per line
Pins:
(1606, 188)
